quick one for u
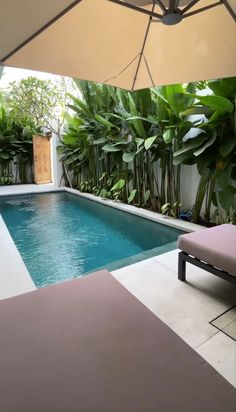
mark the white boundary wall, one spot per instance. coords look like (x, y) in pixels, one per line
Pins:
(189, 185)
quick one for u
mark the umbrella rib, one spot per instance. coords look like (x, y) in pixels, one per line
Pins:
(161, 5)
(218, 3)
(136, 8)
(122, 71)
(38, 32)
(229, 8)
(149, 71)
(189, 6)
(143, 47)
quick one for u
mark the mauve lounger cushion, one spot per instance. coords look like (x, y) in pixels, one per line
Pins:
(88, 345)
(216, 246)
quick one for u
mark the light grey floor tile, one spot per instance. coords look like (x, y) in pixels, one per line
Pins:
(230, 329)
(226, 318)
(182, 306)
(205, 281)
(186, 307)
(220, 352)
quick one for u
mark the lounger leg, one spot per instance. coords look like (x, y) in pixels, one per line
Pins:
(182, 267)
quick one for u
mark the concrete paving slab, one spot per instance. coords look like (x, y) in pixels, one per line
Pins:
(186, 307)
(225, 319)
(199, 278)
(220, 352)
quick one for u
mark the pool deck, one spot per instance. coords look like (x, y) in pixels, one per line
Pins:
(187, 307)
(14, 276)
(26, 189)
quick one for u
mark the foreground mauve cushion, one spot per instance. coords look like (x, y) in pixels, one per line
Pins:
(88, 345)
(215, 246)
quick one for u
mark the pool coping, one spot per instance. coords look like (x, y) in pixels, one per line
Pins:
(140, 257)
(147, 214)
(19, 280)
(27, 189)
(14, 276)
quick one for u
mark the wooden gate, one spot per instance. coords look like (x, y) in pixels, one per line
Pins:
(42, 159)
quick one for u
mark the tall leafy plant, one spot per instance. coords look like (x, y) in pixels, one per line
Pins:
(16, 147)
(172, 101)
(117, 137)
(132, 145)
(213, 147)
(6, 139)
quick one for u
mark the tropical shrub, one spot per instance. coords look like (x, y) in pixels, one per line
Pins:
(213, 148)
(117, 137)
(29, 106)
(131, 146)
(6, 138)
(40, 102)
(16, 147)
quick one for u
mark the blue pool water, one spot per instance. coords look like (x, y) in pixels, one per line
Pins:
(61, 236)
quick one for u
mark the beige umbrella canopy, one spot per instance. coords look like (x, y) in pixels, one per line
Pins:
(130, 44)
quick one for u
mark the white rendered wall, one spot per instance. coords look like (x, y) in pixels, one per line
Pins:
(56, 164)
(189, 185)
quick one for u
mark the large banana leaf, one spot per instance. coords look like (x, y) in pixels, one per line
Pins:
(216, 103)
(138, 125)
(224, 87)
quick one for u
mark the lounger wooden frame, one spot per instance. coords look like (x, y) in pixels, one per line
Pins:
(184, 257)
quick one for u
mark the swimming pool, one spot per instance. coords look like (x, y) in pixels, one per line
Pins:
(61, 236)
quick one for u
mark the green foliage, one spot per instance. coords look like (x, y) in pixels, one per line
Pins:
(6, 180)
(214, 149)
(132, 196)
(16, 146)
(40, 102)
(119, 185)
(171, 210)
(131, 145)
(26, 107)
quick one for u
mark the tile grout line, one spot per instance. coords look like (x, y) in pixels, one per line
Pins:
(224, 313)
(203, 343)
(225, 326)
(162, 264)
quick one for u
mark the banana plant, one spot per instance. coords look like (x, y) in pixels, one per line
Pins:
(142, 138)
(212, 147)
(171, 101)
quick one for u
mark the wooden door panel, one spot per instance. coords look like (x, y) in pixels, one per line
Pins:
(42, 159)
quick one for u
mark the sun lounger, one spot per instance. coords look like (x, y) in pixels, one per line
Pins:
(88, 345)
(213, 250)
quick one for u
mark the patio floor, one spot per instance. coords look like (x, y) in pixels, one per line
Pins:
(187, 308)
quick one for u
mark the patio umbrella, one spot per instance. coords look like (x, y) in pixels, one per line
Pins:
(130, 44)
